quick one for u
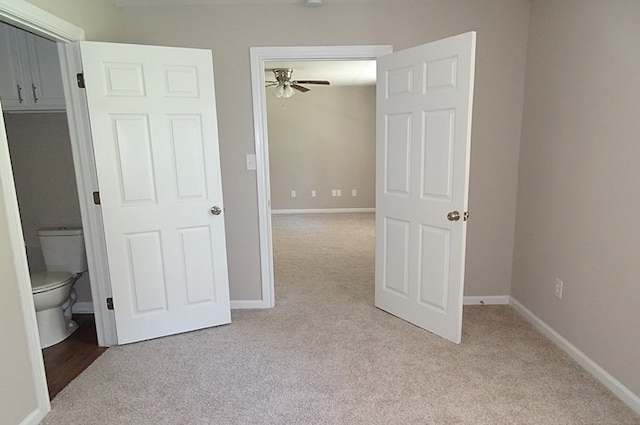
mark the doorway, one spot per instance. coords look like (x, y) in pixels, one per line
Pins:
(260, 57)
(322, 161)
(25, 16)
(45, 183)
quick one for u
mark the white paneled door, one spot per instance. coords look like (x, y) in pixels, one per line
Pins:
(155, 140)
(424, 101)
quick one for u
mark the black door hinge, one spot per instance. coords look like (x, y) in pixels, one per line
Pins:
(80, 80)
(109, 303)
(96, 198)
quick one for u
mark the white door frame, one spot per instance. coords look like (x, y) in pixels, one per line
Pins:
(27, 16)
(260, 55)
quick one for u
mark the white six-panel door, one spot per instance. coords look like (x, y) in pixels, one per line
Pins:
(424, 99)
(155, 139)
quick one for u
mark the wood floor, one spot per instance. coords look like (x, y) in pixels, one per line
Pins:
(67, 359)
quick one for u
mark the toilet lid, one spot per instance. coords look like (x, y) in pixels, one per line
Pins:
(47, 281)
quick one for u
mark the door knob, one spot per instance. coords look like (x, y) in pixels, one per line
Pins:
(453, 216)
(215, 210)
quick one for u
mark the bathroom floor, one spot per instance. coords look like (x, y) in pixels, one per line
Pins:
(67, 359)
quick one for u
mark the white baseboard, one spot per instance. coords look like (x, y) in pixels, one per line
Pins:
(624, 393)
(489, 300)
(36, 416)
(324, 211)
(83, 307)
(87, 306)
(247, 304)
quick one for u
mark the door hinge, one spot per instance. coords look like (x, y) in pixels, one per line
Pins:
(465, 216)
(80, 80)
(96, 198)
(109, 303)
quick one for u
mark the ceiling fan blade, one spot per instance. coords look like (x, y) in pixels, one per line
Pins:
(271, 84)
(299, 88)
(322, 82)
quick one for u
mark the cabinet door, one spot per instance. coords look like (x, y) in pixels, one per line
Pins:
(12, 78)
(45, 89)
(30, 76)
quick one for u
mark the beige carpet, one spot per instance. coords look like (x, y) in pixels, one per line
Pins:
(325, 355)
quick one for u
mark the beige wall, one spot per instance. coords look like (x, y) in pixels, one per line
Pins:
(15, 367)
(322, 140)
(98, 18)
(578, 190)
(45, 181)
(17, 389)
(229, 31)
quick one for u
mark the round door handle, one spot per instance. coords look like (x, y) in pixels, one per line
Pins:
(215, 210)
(453, 216)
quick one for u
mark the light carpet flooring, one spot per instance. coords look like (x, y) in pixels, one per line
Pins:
(326, 355)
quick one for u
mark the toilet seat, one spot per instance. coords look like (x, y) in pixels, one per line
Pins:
(47, 281)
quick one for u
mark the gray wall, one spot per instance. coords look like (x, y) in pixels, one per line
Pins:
(322, 140)
(45, 181)
(578, 190)
(229, 31)
(98, 18)
(17, 389)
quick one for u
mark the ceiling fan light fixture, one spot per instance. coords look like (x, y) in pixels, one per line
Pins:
(286, 87)
(288, 91)
(284, 90)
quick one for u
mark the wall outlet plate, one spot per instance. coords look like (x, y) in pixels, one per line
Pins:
(558, 288)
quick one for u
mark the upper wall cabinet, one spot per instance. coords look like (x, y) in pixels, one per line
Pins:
(30, 76)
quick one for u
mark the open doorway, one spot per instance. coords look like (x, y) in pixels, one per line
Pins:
(37, 130)
(260, 57)
(322, 160)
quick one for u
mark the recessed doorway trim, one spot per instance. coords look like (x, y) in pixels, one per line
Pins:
(259, 56)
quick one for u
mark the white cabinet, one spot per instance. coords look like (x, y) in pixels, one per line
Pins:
(30, 76)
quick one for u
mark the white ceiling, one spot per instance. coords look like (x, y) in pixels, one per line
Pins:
(338, 73)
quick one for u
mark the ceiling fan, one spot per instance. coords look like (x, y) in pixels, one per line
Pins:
(285, 86)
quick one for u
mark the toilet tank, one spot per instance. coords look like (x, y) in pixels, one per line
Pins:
(63, 249)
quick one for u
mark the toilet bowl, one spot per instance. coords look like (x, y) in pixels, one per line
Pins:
(51, 290)
(53, 294)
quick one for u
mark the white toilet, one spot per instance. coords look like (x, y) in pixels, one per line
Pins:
(53, 293)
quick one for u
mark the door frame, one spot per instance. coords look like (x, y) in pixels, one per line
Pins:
(31, 18)
(259, 56)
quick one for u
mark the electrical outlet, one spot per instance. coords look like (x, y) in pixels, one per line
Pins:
(333, 192)
(354, 192)
(313, 193)
(558, 289)
(338, 192)
(293, 194)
